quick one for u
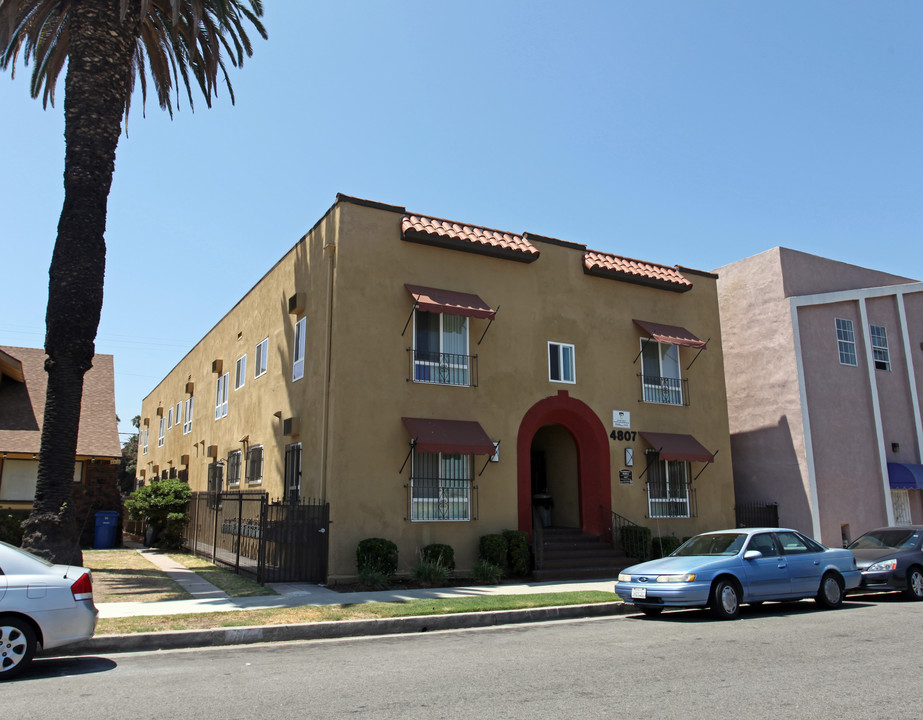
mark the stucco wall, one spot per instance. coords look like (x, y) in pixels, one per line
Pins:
(357, 388)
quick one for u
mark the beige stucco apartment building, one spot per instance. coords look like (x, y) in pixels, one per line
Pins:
(434, 381)
(824, 367)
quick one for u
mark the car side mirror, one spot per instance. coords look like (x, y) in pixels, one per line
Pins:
(752, 555)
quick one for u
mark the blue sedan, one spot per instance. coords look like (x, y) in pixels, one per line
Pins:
(721, 570)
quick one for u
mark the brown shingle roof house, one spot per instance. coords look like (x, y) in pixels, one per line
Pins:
(22, 408)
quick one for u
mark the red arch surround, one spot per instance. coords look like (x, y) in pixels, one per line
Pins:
(593, 476)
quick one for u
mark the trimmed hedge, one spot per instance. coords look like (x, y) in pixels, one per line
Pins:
(636, 541)
(377, 554)
(10, 526)
(439, 554)
(519, 557)
(494, 549)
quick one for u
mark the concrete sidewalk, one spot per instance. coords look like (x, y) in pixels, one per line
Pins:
(207, 598)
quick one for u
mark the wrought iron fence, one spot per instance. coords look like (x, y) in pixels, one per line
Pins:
(271, 541)
(665, 390)
(757, 514)
(443, 368)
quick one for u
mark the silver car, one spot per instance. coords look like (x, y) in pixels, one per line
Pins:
(41, 606)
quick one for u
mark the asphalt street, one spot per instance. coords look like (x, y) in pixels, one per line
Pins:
(777, 661)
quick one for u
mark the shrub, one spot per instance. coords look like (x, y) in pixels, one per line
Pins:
(371, 579)
(487, 573)
(494, 549)
(440, 554)
(430, 573)
(519, 560)
(11, 526)
(664, 545)
(164, 506)
(377, 554)
(636, 541)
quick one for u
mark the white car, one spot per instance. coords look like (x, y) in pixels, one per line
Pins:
(41, 605)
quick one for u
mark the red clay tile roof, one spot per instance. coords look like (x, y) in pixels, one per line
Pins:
(22, 407)
(622, 268)
(476, 236)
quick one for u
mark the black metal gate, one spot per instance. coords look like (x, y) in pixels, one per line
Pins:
(757, 514)
(272, 542)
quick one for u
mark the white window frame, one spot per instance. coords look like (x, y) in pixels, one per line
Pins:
(187, 426)
(878, 339)
(170, 418)
(298, 350)
(293, 471)
(261, 358)
(240, 372)
(676, 481)
(846, 342)
(221, 396)
(562, 350)
(178, 417)
(145, 436)
(453, 493)
(163, 431)
(653, 387)
(250, 479)
(446, 368)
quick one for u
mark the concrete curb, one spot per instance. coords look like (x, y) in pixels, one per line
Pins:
(172, 640)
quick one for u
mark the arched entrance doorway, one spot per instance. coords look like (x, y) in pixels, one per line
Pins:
(563, 445)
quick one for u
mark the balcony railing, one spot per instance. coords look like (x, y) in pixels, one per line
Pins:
(664, 390)
(443, 368)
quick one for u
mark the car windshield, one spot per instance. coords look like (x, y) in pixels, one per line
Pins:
(29, 555)
(711, 544)
(888, 539)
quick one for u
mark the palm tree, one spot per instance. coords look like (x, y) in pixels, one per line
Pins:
(106, 46)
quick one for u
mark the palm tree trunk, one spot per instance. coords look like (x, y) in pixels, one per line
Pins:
(97, 86)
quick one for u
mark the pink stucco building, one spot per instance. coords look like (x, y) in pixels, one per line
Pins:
(824, 370)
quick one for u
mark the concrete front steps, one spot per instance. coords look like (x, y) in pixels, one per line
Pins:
(569, 554)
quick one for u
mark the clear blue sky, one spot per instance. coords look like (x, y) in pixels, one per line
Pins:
(681, 132)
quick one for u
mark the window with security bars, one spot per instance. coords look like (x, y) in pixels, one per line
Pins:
(668, 491)
(660, 373)
(440, 486)
(234, 468)
(440, 349)
(880, 353)
(846, 342)
(293, 472)
(255, 464)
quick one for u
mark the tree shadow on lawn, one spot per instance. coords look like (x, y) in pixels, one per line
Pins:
(135, 585)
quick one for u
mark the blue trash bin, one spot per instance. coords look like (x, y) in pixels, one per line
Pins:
(107, 522)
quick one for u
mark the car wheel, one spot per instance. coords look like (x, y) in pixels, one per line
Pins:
(830, 594)
(914, 589)
(725, 600)
(17, 645)
(651, 611)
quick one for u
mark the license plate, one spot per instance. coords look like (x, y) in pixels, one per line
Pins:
(639, 593)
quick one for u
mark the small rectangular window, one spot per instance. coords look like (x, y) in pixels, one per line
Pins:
(240, 372)
(255, 464)
(668, 488)
(170, 418)
(880, 353)
(561, 363)
(179, 413)
(846, 342)
(293, 472)
(234, 467)
(187, 426)
(144, 438)
(260, 362)
(163, 431)
(298, 354)
(221, 397)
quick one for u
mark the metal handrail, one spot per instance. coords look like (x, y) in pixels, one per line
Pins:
(614, 523)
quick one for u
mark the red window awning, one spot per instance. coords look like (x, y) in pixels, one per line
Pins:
(670, 334)
(675, 446)
(450, 302)
(449, 436)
